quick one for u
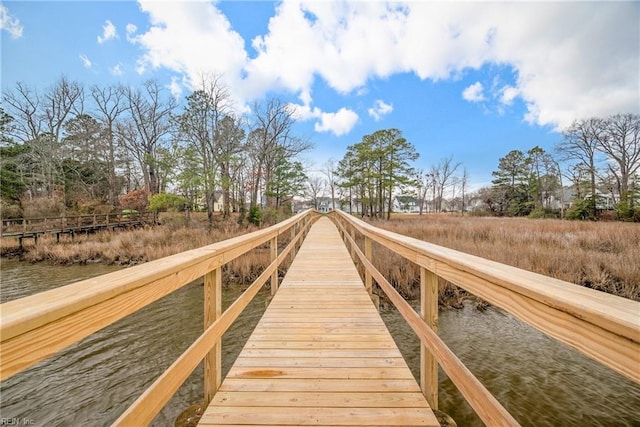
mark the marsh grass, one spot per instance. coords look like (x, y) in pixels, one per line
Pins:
(137, 246)
(599, 255)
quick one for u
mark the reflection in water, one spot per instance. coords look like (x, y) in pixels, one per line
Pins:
(541, 382)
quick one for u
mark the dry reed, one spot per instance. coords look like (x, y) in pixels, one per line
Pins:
(144, 244)
(600, 255)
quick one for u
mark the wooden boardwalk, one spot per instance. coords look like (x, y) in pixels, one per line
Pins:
(321, 354)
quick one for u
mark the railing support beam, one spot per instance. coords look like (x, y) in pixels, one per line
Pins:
(429, 313)
(212, 311)
(273, 243)
(353, 237)
(368, 253)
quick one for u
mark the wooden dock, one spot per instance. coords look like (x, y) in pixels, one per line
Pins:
(33, 228)
(321, 354)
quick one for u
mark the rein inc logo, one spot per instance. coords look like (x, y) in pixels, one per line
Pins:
(16, 422)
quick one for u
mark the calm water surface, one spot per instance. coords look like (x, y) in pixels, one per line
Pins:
(541, 382)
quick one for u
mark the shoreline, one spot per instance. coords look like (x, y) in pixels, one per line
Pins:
(596, 255)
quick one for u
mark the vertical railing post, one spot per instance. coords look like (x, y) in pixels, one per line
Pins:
(353, 237)
(292, 254)
(274, 254)
(212, 311)
(429, 313)
(368, 253)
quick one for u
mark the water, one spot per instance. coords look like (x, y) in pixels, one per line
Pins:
(541, 382)
(94, 381)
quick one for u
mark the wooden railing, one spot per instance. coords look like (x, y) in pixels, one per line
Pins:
(19, 226)
(36, 327)
(602, 326)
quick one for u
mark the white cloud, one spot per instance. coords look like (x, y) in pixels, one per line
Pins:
(85, 61)
(116, 70)
(175, 88)
(474, 93)
(131, 32)
(570, 59)
(9, 23)
(192, 39)
(339, 123)
(109, 32)
(379, 109)
(508, 94)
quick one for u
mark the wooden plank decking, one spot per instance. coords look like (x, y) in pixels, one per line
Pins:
(321, 354)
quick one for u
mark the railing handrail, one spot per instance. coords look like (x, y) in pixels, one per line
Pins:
(486, 406)
(114, 214)
(605, 327)
(37, 326)
(149, 404)
(14, 227)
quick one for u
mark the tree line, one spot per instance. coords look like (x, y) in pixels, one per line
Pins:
(597, 158)
(85, 147)
(100, 148)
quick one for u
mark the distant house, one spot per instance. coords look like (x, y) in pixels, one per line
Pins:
(405, 204)
(604, 201)
(326, 204)
(218, 202)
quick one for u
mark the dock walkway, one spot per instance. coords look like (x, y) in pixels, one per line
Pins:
(321, 354)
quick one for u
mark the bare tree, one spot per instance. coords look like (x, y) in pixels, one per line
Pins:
(464, 181)
(444, 173)
(200, 127)
(580, 144)
(271, 139)
(147, 125)
(109, 105)
(314, 189)
(230, 138)
(23, 105)
(329, 171)
(40, 120)
(620, 141)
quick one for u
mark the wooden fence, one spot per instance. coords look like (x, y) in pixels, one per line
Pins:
(34, 227)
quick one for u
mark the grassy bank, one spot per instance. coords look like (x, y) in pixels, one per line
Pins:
(600, 255)
(144, 244)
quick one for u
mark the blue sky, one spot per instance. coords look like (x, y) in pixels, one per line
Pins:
(472, 80)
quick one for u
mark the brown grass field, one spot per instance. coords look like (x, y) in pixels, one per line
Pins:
(600, 255)
(145, 244)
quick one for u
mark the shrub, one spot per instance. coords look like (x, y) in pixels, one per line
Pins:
(255, 216)
(39, 207)
(10, 211)
(136, 199)
(166, 202)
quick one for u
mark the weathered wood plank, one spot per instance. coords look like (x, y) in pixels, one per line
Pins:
(326, 399)
(314, 373)
(324, 385)
(318, 416)
(334, 362)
